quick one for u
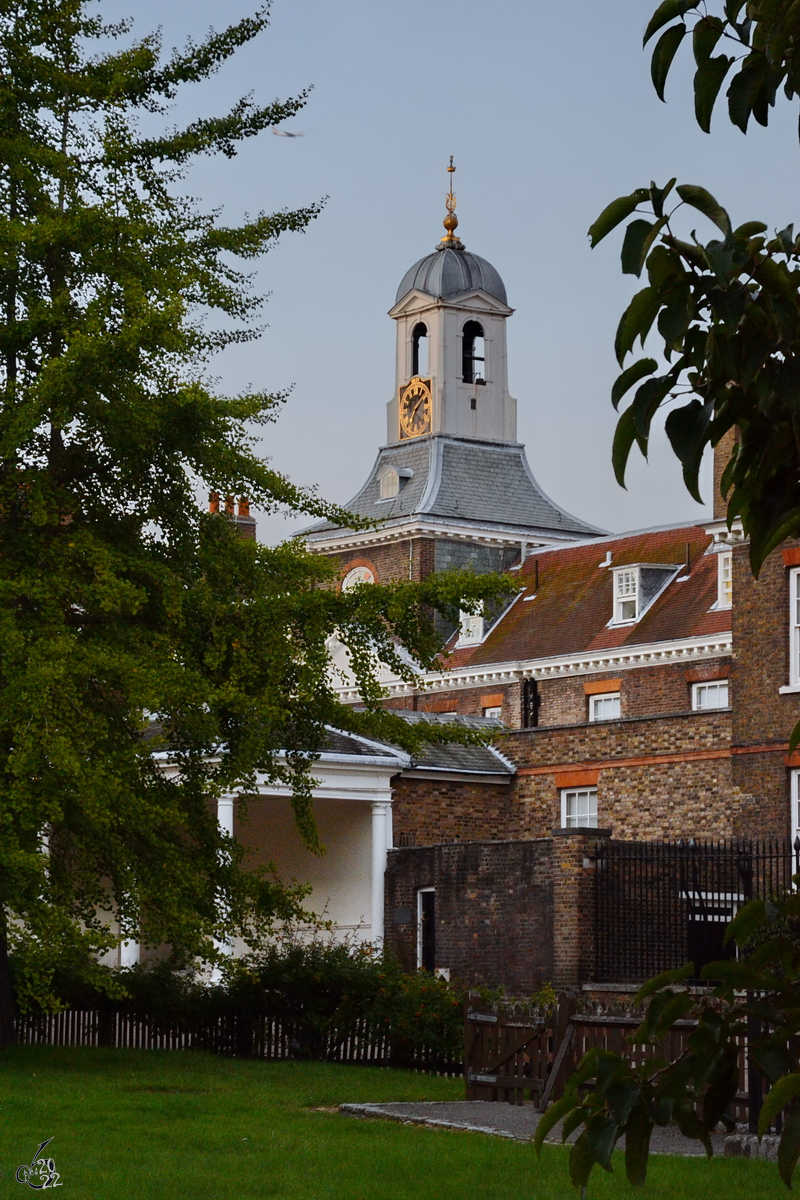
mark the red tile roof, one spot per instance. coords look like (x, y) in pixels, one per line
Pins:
(573, 602)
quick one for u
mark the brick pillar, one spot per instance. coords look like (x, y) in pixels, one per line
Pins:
(573, 904)
(722, 456)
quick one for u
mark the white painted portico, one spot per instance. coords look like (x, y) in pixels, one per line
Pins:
(353, 811)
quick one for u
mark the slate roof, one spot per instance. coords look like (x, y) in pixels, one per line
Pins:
(451, 756)
(337, 742)
(573, 602)
(465, 481)
(448, 271)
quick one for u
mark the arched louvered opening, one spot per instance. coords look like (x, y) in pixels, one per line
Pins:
(419, 350)
(473, 353)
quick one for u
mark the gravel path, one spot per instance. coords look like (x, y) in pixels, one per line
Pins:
(515, 1121)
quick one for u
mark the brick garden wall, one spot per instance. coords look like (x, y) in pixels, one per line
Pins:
(494, 910)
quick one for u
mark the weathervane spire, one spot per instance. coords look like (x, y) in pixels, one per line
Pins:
(451, 220)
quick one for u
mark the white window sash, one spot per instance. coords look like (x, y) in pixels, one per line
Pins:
(724, 579)
(794, 627)
(700, 691)
(571, 821)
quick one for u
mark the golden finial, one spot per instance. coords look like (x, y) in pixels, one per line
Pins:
(451, 220)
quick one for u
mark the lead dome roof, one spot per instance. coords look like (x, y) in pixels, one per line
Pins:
(448, 271)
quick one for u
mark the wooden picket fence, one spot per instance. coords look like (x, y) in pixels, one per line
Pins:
(245, 1035)
(513, 1055)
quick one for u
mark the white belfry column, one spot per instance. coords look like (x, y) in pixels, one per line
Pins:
(381, 840)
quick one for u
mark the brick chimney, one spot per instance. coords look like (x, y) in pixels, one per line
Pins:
(244, 522)
(240, 516)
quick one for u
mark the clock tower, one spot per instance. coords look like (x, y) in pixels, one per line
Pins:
(452, 486)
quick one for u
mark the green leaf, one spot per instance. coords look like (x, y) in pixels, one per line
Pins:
(665, 979)
(664, 52)
(630, 376)
(581, 1161)
(647, 401)
(749, 917)
(658, 196)
(614, 213)
(553, 1115)
(776, 278)
(743, 90)
(708, 80)
(705, 36)
(621, 1097)
(687, 430)
(601, 1134)
(639, 237)
(572, 1121)
(794, 740)
(705, 203)
(624, 437)
(667, 11)
(638, 1131)
(691, 1126)
(636, 321)
(789, 1147)
(749, 229)
(778, 1096)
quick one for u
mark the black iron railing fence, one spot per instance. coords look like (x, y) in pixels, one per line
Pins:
(659, 905)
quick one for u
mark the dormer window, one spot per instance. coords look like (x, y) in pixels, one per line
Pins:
(389, 481)
(472, 629)
(637, 587)
(419, 349)
(473, 353)
(626, 596)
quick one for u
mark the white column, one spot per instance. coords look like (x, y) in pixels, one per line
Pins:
(381, 832)
(225, 822)
(225, 813)
(128, 953)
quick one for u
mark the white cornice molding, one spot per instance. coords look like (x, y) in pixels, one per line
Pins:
(619, 658)
(723, 536)
(416, 528)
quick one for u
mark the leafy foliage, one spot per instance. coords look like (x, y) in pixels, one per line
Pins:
(317, 988)
(726, 309)
(756, 995)
(124, 608)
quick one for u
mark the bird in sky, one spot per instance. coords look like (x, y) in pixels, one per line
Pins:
(287, 133)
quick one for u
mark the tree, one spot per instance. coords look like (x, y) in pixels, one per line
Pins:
(130, 619)
(727, 311)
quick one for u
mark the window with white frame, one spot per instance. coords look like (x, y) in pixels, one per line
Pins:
(495, 710)
(604, 707)
(472, 627)
(713, 694)
(626, 595)
(579, 808)
(794, 627)
(795, 802)
(724, 579)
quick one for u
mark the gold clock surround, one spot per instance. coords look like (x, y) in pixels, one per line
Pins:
(415, 407)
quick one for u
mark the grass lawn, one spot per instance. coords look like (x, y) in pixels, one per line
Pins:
(131, 1125)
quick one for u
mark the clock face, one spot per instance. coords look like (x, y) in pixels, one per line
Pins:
(356, 576)
(415, 408)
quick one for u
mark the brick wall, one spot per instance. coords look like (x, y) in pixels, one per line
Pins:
(426, 811)
(763, 718)
(640, 795)
(494, 910)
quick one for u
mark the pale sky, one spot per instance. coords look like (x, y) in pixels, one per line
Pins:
(550, 114)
